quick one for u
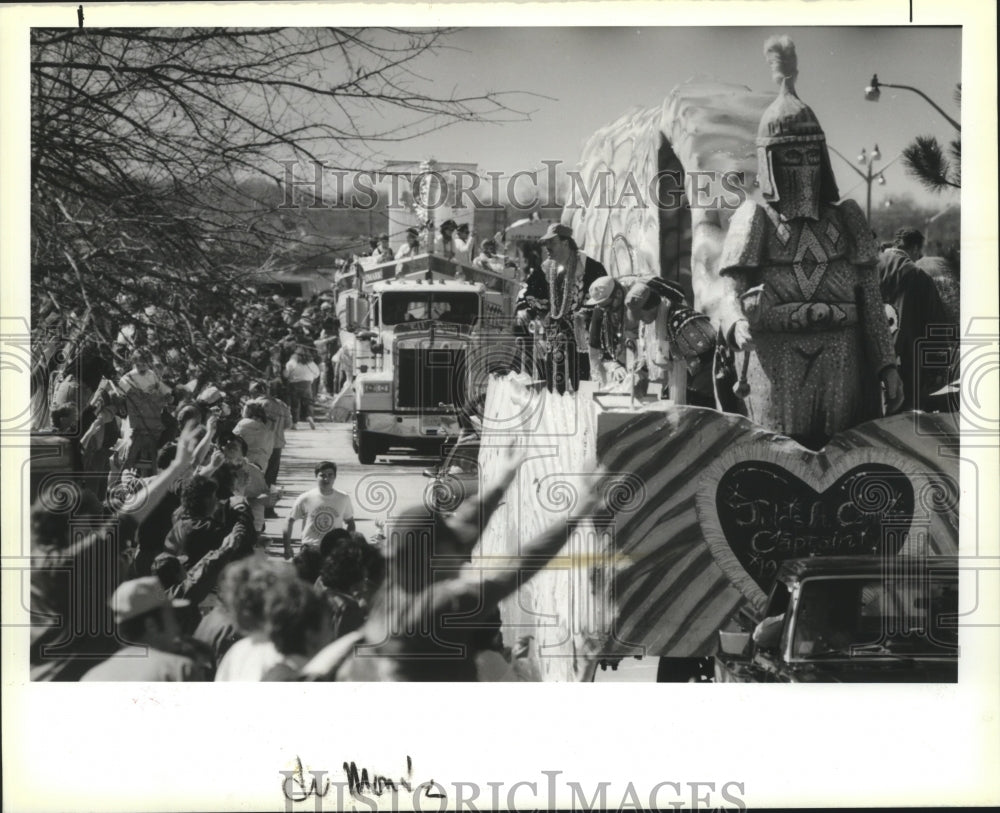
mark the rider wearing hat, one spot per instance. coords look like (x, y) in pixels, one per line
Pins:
(570, 273)
(609, 333)
(681, 335)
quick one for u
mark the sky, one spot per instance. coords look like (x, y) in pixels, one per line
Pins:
(591, 76)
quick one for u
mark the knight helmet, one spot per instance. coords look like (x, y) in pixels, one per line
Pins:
(793, 169)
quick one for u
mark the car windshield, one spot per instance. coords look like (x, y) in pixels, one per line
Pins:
(464, 459)
(460, 307)
(877, 616)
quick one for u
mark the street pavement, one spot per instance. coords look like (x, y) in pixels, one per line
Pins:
(390, 485)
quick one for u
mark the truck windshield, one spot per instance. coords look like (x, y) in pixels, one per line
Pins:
(873, 616)
(460, 307)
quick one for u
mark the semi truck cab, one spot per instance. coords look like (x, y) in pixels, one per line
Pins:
(414, 362)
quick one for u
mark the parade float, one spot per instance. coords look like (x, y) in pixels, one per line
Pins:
(703, 507)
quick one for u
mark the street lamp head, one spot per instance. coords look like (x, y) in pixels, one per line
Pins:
(872, 92)
(862, 156)
(881, 180)
(876, 155)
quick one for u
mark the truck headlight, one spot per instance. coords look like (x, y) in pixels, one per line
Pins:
(378, 386)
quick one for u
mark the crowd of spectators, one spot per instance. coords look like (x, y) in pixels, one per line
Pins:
(173, 469)
(150, 557)
(264, 375)
(168, 576)
(176, 456)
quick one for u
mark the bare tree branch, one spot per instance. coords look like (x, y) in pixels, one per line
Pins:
(149, 147)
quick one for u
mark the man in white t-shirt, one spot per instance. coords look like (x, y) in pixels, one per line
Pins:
(322, 509)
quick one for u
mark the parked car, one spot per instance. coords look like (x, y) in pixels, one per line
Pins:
(851, 619)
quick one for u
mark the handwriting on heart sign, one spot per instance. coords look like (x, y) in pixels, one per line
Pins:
(756, 512)
(768, 514)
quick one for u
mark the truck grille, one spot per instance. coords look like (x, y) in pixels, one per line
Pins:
(426, 378)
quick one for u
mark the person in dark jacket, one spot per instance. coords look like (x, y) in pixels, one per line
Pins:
(203, 522)
(919, 313)
(532, 305)
(343, 581)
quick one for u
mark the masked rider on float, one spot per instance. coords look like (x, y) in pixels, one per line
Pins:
(802, 292)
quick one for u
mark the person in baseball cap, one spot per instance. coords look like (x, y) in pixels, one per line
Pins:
(683, 333)
(211, 396)
(571, 273)
(213, 399)
(604, 292)
(137, 597)
(556, 231)
(148, 626)
(463, 242)
(607, 334)
(637, 298)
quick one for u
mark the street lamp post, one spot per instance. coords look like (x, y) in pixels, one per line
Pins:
(869, 176)
(873, 92)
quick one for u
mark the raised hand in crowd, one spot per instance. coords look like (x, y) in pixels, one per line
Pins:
(214, 463)
(139, 503)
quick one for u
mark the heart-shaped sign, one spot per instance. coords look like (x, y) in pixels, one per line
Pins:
(759, 504)
(768, 514)
(727, 501)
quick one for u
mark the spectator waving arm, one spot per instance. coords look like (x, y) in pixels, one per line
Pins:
(140, 504)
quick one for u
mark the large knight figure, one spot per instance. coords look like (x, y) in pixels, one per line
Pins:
(802, 293)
